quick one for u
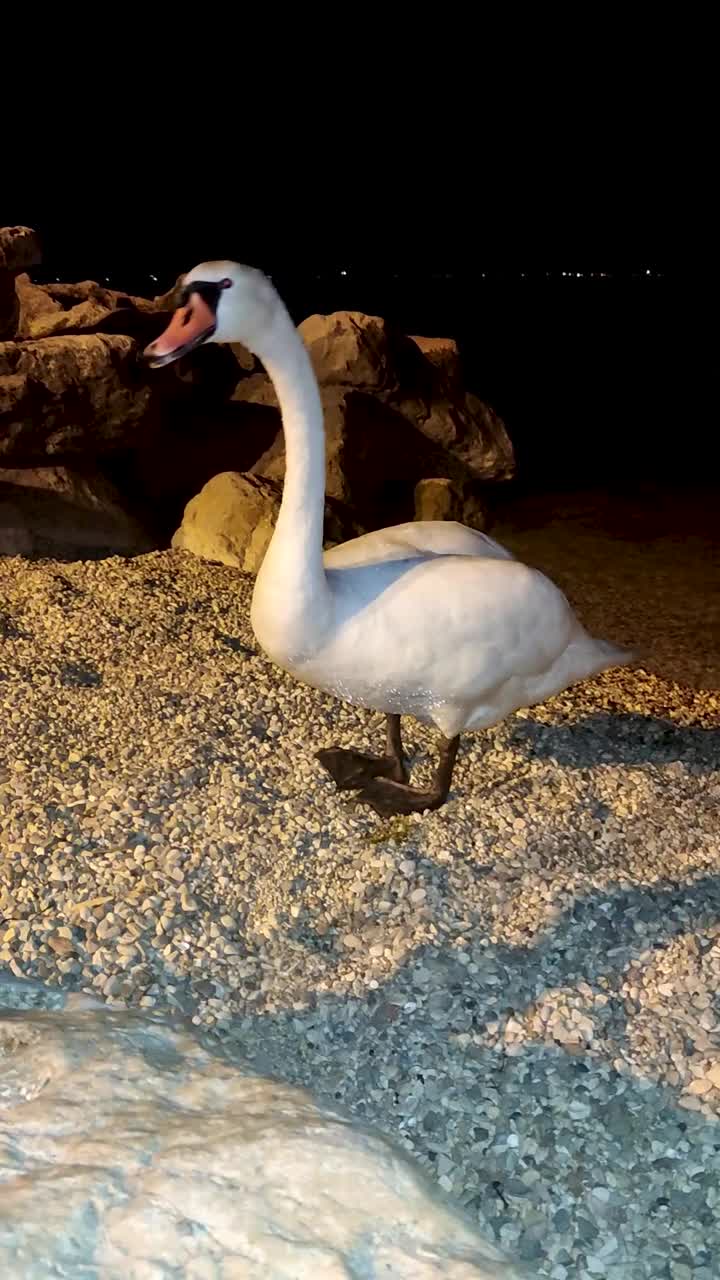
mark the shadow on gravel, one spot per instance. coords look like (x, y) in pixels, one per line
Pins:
(618, 738)
(423, 1057)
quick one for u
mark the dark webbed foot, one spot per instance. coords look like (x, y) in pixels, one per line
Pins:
(353, 770)
(388, 797)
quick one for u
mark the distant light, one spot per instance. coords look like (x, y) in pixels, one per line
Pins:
(343, 273)
(578, 274)
(648, 273)
(154, 278)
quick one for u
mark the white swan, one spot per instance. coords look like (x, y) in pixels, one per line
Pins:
(425, 619)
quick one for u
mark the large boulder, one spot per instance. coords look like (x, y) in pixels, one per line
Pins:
(132, 1149)
(77, 394)
(66, 515)
(350, 349)
(37, 307)
(395, 414)
(231, 521)
(443, 355)
(420, 377)
(374, 455)
(19, 248)
(85, 307)
(469, 430)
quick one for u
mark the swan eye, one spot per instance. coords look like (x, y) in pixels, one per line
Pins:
(226, 283)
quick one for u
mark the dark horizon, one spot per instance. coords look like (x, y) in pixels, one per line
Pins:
(593, 375)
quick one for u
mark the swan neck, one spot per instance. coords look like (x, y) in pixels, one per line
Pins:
(296, 547)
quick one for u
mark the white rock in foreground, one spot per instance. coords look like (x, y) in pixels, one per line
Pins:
(129, 1151)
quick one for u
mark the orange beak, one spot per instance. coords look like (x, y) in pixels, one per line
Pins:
(190, 326)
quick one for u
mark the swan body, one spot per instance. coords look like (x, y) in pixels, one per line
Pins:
(429, 619)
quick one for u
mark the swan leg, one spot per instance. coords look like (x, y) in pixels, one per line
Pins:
(352, 770)
(387, 796)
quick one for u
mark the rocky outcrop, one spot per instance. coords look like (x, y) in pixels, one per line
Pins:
(19, 248)
(350, 349)
(76, 394)
(52, 309)
(231, 521)
(419, 377)
(444, 356)
(374, 456)
(130, 1149)
(66, 515)
(395, 415)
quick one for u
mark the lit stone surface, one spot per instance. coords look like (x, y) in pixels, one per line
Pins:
(128, 1151)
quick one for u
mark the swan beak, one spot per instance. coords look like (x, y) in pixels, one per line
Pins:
(191, 325)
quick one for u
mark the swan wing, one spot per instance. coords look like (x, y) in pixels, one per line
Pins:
(418, 539)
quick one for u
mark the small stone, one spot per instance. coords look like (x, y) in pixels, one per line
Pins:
(61, 946)
(700, 1086)
(713, 1075)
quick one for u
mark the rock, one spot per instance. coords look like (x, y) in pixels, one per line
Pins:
(9, 306)
(67, 395)
(69, 295)
(713, 1075)
(36, 306)
(19, 248)
(443, 355)
(350, 349)
(421, 377)
(231, 521)
(390, 421)
(471, 431)
(437, 499)
(124, 1140)
(374, 457)
(65, 515)
(82, 318)
(85, 307)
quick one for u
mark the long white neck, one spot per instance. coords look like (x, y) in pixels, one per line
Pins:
(291, 591)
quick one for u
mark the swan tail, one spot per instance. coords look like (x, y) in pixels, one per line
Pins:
(601, 655)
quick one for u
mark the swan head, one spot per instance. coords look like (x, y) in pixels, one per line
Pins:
(219, 302)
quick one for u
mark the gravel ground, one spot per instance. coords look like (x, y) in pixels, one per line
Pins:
(522, 987)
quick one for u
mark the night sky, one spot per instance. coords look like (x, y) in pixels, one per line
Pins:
(437, 236)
